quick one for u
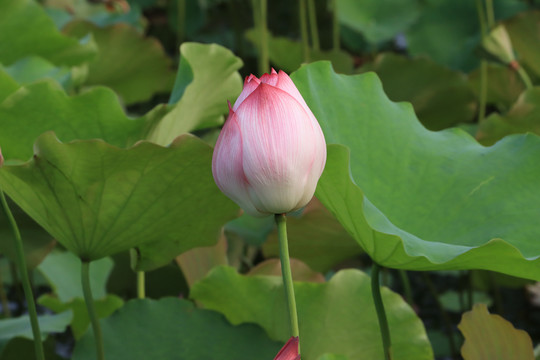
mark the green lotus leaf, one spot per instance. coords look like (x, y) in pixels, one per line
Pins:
(98, 200)
(8, 85)
(174, 330)
(44, 106)
(416, 199)
(18, 39)
(206, 79)
(524, 116)
(20, 326)
(134, 66)
(336, 317)
(378, 20)
(441, 97)
(32, 68)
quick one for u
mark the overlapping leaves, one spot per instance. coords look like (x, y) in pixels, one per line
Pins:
(417, 199)
(98, 200)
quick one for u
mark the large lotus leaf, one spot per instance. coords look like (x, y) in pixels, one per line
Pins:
(98, 200)
(207, 78)
(378, 20)
(441, 97)
(524, 30)
(133, 65)
(524, 116)
(287, 54)
(503, 85)
(337, 316)
(44, 106)
(20, 326)
(26, 29)
(316, 238)
(455, 22)
(416, 199)
(174, 329)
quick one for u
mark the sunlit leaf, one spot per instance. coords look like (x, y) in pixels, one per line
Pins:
(491, 337)
(334, 317)
(8, 85)
(174, 330)
(98, 200)
(207, 78)
(44, 106)
(133, 65)
(416, 199)
(300, 271)
(18, 39)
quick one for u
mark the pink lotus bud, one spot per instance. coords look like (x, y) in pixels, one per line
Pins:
(271, 151)
(289, 351)
(1, 158)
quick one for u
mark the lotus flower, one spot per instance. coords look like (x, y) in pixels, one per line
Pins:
(271, 151)
(289, 351)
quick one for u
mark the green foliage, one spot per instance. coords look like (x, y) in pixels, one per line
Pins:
(335, 317)
(41, 39)
(212, 80)
(119, 197)
(416, 199)
(20, 327)
(441, 97)
(174, 329)
(134, 66)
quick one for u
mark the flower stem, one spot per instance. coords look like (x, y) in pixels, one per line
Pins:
(21, 264)
(312, 12)
(524, 77)
(259, 18)
(381, 314)
(287, 274)
(304, 29)
(482, 92)
(181, 18)
(89, 300)
(141, 290)
(335, 26)
(406, 286)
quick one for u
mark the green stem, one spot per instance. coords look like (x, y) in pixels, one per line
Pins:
(524, 77)
(304, 29)
(406, 286)
(335, 26)
(312, 13)
(181, 18)
(141, 290)
(381, 314)
(490, 14)
(482, 101)
(482, 92)
(259, 18)
(4, 299)
(89, 300)
(446, 318)
(25, 279)
(286, 272)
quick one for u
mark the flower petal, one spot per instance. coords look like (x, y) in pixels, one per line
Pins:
(289, 351)
(227, 166)
(250, 84)
(280, 144)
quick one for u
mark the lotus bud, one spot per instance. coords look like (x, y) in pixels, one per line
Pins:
(1, 158)
(271, 151)
(289, 351)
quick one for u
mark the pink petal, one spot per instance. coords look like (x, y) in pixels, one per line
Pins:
(227, 166)
(289, 351)
(250, 84)
(281, 144)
